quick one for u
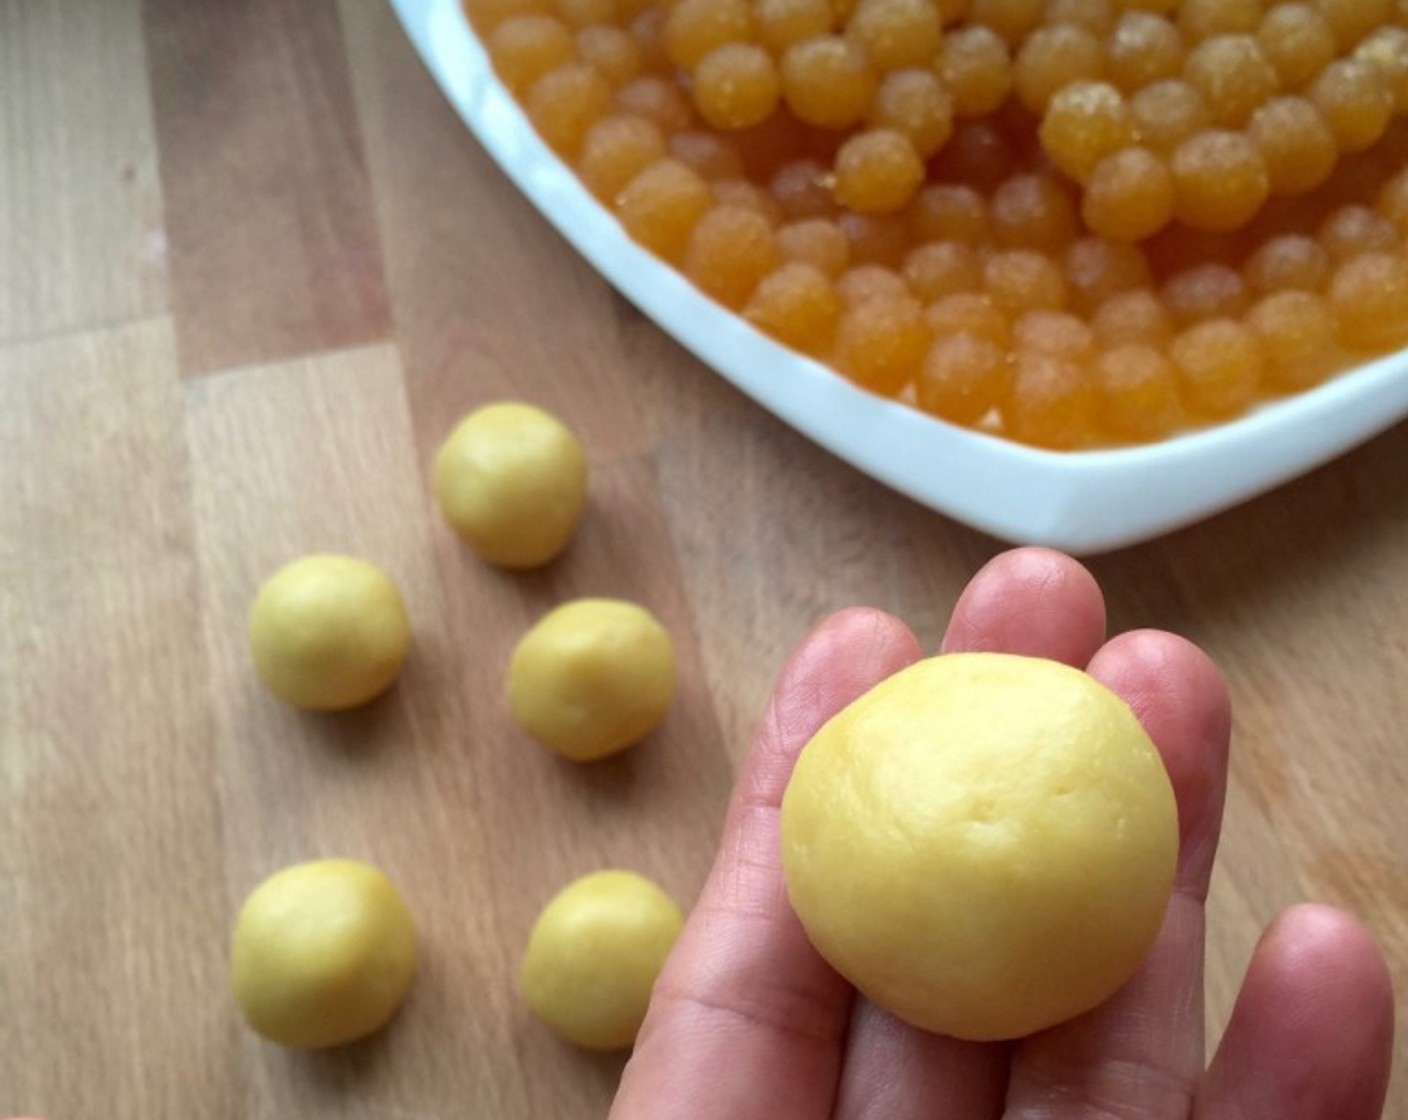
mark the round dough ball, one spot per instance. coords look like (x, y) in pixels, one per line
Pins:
(328, 632)
(592, 677)
(984, 844)
(594, 955)
(512, 481)
(323, 953)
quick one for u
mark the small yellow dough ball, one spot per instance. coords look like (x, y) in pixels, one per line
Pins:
(512, 481)
(328, 632)
(592, 677)
(984, 844)
(323, 953)
(594, 955)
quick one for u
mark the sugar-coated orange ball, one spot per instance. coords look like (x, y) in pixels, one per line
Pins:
(1132, 318)
(1142, 49)
(1165, 113)
(1288, 262)
(970, 312)
(525, 47)
(953, 212)
(656, 100)
(564, 103)
(780, 23)
(1233, 75)
(1021, 280)
(1058, 333)
(1205, 291)
(870, 281)
(1350, 230)
(1387, 51)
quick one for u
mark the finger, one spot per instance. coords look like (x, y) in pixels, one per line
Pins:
(1032, 601)
(1140, 1054)
(1311, 1035)
(747, 1021)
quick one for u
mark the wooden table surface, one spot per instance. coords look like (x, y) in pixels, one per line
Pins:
(252, 268)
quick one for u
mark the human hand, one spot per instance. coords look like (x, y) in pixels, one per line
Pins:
(749, 1023)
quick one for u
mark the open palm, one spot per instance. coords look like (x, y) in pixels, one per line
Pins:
(749, 1023)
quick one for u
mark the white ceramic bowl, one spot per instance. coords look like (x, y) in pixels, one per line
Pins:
(1083, 502)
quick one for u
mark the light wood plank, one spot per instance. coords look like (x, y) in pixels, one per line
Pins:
(81, 239)
(274, 253)
(111, 881)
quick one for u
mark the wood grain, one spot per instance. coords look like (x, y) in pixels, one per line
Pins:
(81, 236)
(350, 273)
(274, 253)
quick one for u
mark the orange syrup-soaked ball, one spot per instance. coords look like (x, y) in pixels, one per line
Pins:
(797, 305)
(1093, 15)
(1165, 113)
(1052, 402)
(881, 342)
(1353, 20)
(968, 312)
(1129, 195)
(1297, 41)
(1368, 296)
(942, 268)
(1142, 49)
(693, 28)
(1136, 393)
(827, 81)
(1356, 101)
(1295, 142)
(780, 23)
(1205, 291)
(953, 212)
(615, 150)
(915, 104)
(711, 154)
(661, 206)
(730, 251)
(1012, 19)
(1219, 180)
(1288, 262)
(877, 172)
(1220, 365)
(895, 34)
(963, 378)
(1053, 58)
(870, 281)
(1387, 51)
(1297, 334)
(1136, 317)
(1096, 269)
(736, 85)
(1033, 211)
(802, 189)
(975, 66)
(1233, 75)
(525, 47)
(564, 104)
(1021, 280)
(1351, 230)
(817, 242)
(1084, 123)
(1057, 333)
(1202, 19)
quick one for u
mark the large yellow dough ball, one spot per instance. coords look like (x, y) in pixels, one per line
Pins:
(512, 481)
(328, 632)
(323, 953)
(594, 955)
(592, 677)
(983, 844)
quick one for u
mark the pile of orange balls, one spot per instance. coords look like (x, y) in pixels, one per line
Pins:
(1069, 223)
